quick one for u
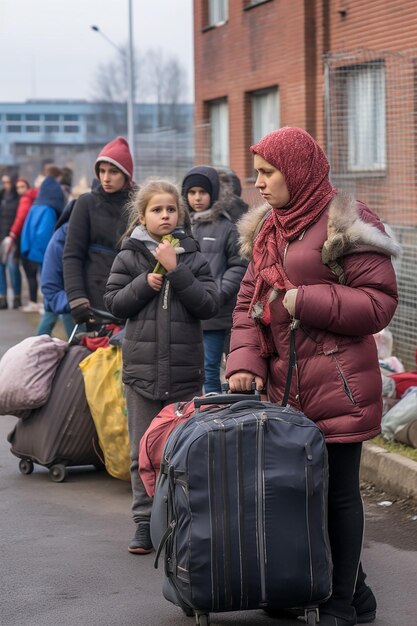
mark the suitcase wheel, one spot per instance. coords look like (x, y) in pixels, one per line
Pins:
(58, 473)
(26, 466)
(202, 619)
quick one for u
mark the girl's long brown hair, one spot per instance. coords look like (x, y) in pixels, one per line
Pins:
(140, 199)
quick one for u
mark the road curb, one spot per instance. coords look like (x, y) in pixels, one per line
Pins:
(389, 472)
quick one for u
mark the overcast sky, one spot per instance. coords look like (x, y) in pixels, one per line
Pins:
(48, 50)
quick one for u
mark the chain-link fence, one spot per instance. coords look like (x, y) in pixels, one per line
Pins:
(370, 116)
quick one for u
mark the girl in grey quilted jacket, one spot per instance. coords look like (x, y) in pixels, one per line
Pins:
(162, 285)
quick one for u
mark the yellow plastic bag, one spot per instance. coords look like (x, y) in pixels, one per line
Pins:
(102, 373)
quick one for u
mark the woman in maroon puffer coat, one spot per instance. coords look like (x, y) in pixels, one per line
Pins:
(321, 263)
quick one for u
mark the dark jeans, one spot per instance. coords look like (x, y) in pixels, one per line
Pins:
(48, 321)
(214, 341)
(13, 268)
(32, 270)
(346, 524)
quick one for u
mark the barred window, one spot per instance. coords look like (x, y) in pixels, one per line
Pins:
(265, 112)
(366, 122)
(219, 124)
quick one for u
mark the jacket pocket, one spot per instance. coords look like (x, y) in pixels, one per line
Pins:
(343, 378)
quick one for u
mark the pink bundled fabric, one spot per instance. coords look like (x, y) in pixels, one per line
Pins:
(26, 373)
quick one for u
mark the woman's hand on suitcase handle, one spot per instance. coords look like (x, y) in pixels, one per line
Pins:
(242, 381)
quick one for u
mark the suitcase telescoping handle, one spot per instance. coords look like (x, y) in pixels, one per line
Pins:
(249, 397)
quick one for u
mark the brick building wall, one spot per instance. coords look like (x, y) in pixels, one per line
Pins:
(282, 43)
(257, 48)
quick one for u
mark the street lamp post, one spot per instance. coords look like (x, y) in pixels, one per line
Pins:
(128, 58)
(130, 100)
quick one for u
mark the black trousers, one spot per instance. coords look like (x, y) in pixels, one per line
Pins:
(346, 525)
(32, 270)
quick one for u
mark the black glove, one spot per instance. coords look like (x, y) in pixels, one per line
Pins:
(82, 313)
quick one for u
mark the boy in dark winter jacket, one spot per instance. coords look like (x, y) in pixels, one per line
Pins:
(211, 206)
(162, 285)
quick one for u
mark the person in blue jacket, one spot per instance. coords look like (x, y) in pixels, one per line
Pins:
(39, 224)
(52, 279)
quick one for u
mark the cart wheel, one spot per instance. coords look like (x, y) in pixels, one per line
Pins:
(26, 466)
(58, 473)
(312, 618)
(202, 619)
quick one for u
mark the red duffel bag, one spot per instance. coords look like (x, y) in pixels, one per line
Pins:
(153, 441)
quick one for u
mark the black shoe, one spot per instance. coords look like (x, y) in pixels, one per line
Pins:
(364, 603)
(331, 620)
(141, 542)
(17, 302)
(3, 302)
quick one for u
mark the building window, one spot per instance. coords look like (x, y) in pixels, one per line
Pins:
(219, 126)
(218, 12)
(51, 117)
(69, 117)
(32, 117)
(265, 112)
(52, 129)
(33, 129)
(71, 129)
(14, 129)
(13, 117)
(366, 121)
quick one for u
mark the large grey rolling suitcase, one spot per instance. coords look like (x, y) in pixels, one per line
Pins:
(242, 498)
(61, 433)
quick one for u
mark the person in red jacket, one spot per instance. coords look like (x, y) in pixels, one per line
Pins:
(27, 196)
(320, 271)
(11, 242)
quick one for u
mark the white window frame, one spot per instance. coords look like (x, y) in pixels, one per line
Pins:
(219, 132)
(217, 12)
(366, 118)
(265, 108)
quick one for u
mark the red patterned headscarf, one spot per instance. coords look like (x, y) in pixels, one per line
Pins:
(306, 172)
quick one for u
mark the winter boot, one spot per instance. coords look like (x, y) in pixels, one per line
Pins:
(3, 302)
(364, 600)
(141, 542)
(331, 620)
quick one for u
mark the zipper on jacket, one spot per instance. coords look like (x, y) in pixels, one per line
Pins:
(346, 387)
(165, 296)
(262, 425)
(285, 253)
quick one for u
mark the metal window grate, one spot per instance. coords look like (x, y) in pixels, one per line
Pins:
(370, 116)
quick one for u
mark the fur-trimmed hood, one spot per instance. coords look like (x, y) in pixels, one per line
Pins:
(347, 231)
